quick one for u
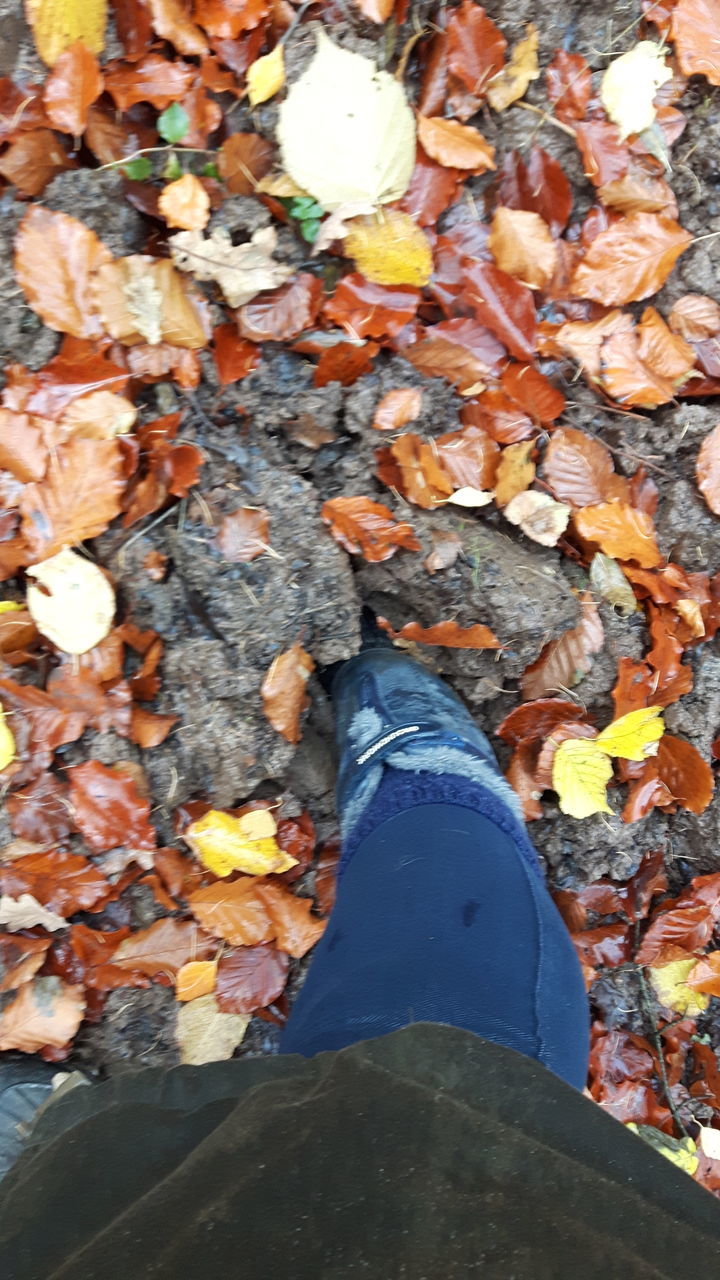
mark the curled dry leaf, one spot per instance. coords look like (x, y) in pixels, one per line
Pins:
(629, 86)
(707, 470)
(390, 248)
(346, 131)
(144, 299)
(454, 145)
(45, 1013)
(283, 692)
(225, 843)
(397, 408)
(631, 260)
(510, 84)
(608, 579)
(25, 912)
(74, 604)
(522, 245)
(185, 203)
(55, 259)
(243, 535)
(515, 473)
(241, 271)
(367, 528)
(205, 1034)
(621, 531)
(446, 549)
(563, 662)
(539, 516)
(695, 317)
(449, 635)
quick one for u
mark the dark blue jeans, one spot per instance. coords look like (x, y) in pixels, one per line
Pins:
(439, 918)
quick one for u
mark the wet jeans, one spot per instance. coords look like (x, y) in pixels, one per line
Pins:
(439, 918)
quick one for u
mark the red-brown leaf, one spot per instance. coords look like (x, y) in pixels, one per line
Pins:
(367, 528)
(283, 693)
(568, 85)
(631, 260)
(108, 809)
(367, 310)
(504, 305)
(78, 498)
(605, 156)
(39, 810)
(562, 662)
(63, 882)
(20, 959)
(579, 469)
(72, 86)
(476, 53)
(243, 535)
(433, 188)
(281, 314)
(153, 79)
(33, 161)
(538, 185)
(688, 777)
(344, 363)
(448, 635)
(529, 388)
(163, 948)
(250, 978)
(535, 720)
(460, 350)
(234, 356)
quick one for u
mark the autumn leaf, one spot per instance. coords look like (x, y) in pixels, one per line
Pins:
(185, 203)
(390, 248)
(503, 304)
(279, 315)
(195, 978)
(74, 605)
(55, 258)
(707, 470)
(671, 987)
(704, 974)
(58, 24)
(530, 388)
(33, 160)
(205, 1034)
(397, 408)
(243, 535)
(108, 809)
(695, 317)
(367, 528)
(563, 662)
(532, 721)
(449, 635)
(688, 778)
(234, 356)
(621, 531)
(367, 310)
(537, 184)
(580, 774)
(25, 912)
(516, 471)
(225, 843)
(250, 978)
(241, 271)
(631, 260)
(608, 579)
(697, 38)
(583, 339)
(627, 378)
(446, 549)
(634, 736)
(243, 159)
(73, 85)
(144, 299)
(7, 742)
(459, 350)
(476, 53)
(45, 1013)
(629, 86)
(266, 76)
(521, 244)
(511, 83)
(78, 498)
(283, 692)
(164, 948)
(251, 910)
(539, 516)
(579, 469)
(569, 85)
(454, 145)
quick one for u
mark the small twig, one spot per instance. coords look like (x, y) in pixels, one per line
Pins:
(659, 1049)
(547, 119)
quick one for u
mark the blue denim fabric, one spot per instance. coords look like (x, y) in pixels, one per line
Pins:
(440, 918)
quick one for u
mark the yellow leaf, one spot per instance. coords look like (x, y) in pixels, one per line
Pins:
(679, 1151)
(224, 843)
(634, 736)
(510, 84)
(630, 84)
(581, 772)
(56, 24)
(7, 743)
(265, 76)
(205, 1034)
(10, 606)
(196, 978)
(390, 249)
(74, 605)
(670, 985)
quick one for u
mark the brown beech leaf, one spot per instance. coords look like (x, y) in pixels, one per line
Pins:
(234, 356)
(33, 160)
(108, 809)
(534, 721)
(149, 728)
(605, 156)
(283, 692)
(563, 662)
(529, 388)
(583, 339)
(253, 910)
(697, 38)
(250, 978)
(521, 244)
(469, 458)
(72, 86)
(448, 635)
(688, 777)
(455, 145)
(243, 535)
(639, 193)
(568, 85)
(476, 53)
(163, 948)
(631, 260)
(152, 79)
(538, 515)
(707, 470)
(143, 299)
(62, 882)
(283, 313)
(170, 20)
(185, 203)
(367, 528)
(77, 499)
(20, 959)
(410, 465)
(55, 257)
(579, 469)
(45, 1013)
(460, 350)
(666, 352)
(515, 473)
(537, 185)
(621, 531)
(627, 378)
(39, 811)
(397, 408)
(501, 303)
(695, 317)
(367, 310)
(446, 549)
(500, 417)
(686, 927)
(344, 363)
(433, 188)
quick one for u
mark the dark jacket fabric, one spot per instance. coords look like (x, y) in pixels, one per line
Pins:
(427, 1154)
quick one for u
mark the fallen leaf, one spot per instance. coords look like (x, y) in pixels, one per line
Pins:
(346, 131)
(633, 736)
(283, 692)
(449, 635)
(503, 304)
(583, 339)
(563, 662)
(455, 145)
(204, 1034)
(20, 959)
(621, 531)
(580, 774)
(534, 721)
(367, 310)
(687, 776)
(390, 249)
(101, 415)
(251, 910)
(631, 260)
(639, 193)
(433, 188)
(627, 378)
(77, 499)
(475, 53)
(446, 549)
(225, 843)
(243, 535)
(74, 605)
(695, 317)
(538, 515)
(151, 79)
(569, 85)
(537, 184)
(511, 83)
(533, 392)
(282, 314)
(235, 357)
(241, 271)
(243, 159)
(266, 76)
(185, 203)
(522, 245)
(367, 528)
(704, 974)
(195, 978)
(33, 160)
(164, 948)
(462, 351)
(45, 1013)
(397, 408)
(73, 85)
(670, 984)
(144, 299)
(608, 579)
(515, 473)
(707, 470)
(58, 24)
(696, 37)
(7, 742)
(344, 362)
(629, 86)
(25, 912)
(108, 809)
(39, 811)
(251, 978)
(55, 259)
(579, 469)
(605, 157)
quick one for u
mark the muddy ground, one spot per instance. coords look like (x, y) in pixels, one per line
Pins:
(223, 625)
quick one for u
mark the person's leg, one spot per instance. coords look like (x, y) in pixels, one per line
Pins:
(442, 913)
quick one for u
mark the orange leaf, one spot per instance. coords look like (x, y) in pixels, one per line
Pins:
(638, 192)
(279, 315)
(376, 10)
(283, 692)
(688, 777)
(185, 203)
(627, 378)
(579, 469)
(515, 473)
(529, 388)
(706, 974)
(149, 728)
(695, 317)
(696, 33)
(242, 160)
(153, 79)
(243, 535)
(367, 528)
(344, 363)
(476, 53)
(55, 257)
(234, 356)
(503, 304)
(449, 635)
(583, 339)
(454, 145)
(33, 161)
(630, 260)
(562, 662)
(72, 86)
(253, 910)
(164, 948)
(195, 978)
(707, 470)
(397, 408)
(170, 20)
(78, 498)
(411, 466)
(460, 350)
(521, 244)
(621, 531)
(144, 299)
(45, 1013)
(667, 353)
